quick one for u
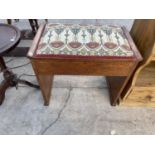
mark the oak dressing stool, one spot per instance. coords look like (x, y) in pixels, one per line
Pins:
(74, 49)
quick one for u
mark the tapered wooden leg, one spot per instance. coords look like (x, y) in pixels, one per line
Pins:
(116, 86)
(45, 82)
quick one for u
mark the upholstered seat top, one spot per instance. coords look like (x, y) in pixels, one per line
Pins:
(70, 40)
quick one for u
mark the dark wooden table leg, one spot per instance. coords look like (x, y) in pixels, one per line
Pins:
(3, 87)
(2, 64)
(5, 83)
(10, 80)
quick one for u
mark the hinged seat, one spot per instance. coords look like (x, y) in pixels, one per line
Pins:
(84, 41)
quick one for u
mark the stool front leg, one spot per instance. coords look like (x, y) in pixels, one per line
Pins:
(45, 82)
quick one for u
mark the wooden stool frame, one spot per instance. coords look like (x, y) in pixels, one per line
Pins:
(117, 71)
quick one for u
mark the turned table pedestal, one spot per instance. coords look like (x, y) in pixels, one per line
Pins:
(9, 38)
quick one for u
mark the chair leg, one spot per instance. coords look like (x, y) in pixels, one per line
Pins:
(9, 21)
(16, 20)
(32, 25)
(36, 24)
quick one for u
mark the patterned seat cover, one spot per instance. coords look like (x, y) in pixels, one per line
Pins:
(65, 40)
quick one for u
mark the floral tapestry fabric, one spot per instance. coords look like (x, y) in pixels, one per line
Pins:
(83, 40)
